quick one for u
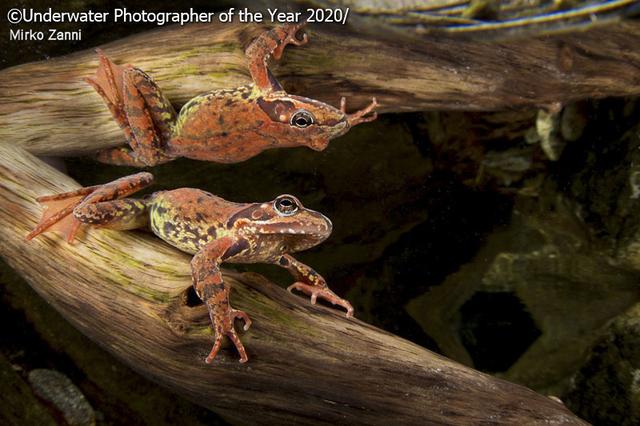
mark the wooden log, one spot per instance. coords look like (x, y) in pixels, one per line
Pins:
(476, 18)
(46, 108)
(128, 291)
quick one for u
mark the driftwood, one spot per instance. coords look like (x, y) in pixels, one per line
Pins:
(46, 108)
(497, 19)
(130, 293)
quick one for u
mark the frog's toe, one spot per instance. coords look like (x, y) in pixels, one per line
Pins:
(296, 41)
(58, 216)
(298, 286)
(344, 303)
(223, 326)
(288, 36)
(214, 349)
(233, 336)
(292, 29)
(350, 311)
(235, 313)
(324, 293)
(364, 115)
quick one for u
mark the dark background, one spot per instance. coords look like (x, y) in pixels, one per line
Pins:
(447, 232)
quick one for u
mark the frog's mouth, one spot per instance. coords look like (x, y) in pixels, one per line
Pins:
(333, 131)
(292, 243)
(300, 234)
(319, 232)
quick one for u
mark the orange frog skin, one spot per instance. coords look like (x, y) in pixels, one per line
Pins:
(212, 229)
(225, 126)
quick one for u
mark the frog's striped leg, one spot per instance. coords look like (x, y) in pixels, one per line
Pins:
(311, 283)
(267, 44)
(121, 215)
(150, 115)
(143, 113)
(67, 211)
(121, 156)
(210, 288)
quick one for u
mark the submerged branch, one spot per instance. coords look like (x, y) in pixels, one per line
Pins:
(128, 292)
(46, 108)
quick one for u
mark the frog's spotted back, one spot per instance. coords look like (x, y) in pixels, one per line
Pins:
(213, 229)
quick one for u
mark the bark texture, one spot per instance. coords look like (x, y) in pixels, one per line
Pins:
(129, 292)
(46, 108)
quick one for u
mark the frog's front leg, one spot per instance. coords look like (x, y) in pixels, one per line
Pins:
(210, 288)
(311, 283)
(271, 43)
(99, 205)
(364, 115)
(140, 109)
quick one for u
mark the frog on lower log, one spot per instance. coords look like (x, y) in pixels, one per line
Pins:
(212, 229)
(225, 126)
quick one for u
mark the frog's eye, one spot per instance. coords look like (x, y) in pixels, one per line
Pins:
(286, 205)
(302, 119)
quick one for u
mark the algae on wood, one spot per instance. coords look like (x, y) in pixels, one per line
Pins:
(127, 292)
(49, 110)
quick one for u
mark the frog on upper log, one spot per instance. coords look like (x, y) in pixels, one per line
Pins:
(212, 229)
(225, 126)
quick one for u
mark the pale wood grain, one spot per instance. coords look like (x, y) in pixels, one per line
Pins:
(46, 108)
(125, 290)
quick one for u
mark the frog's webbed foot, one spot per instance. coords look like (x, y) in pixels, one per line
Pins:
(57, 215)
(143, 113)
(323, 293)
(364, 115)
(223, 324)
(67, 211)
(107, 82)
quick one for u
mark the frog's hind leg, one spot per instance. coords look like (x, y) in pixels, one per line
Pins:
(143, 113)
(121, 215)
(150, 115)
(66, 212)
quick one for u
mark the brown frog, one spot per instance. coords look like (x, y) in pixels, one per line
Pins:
(212, 229)
(225, 126)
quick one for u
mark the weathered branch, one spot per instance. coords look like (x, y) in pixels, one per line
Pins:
(48, 109)
(486, 19)
(126, 291)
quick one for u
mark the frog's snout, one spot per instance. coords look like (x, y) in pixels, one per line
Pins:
(321, 229)
(329, 225)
